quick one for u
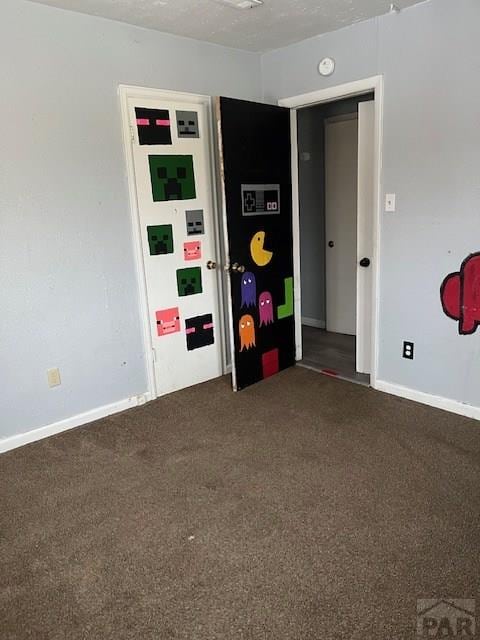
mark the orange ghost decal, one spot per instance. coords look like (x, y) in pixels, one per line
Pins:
(246, 329)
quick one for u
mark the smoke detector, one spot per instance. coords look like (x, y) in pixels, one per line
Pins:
(243, 4)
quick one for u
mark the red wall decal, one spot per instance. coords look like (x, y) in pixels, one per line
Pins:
(270, 363)
(460, 295)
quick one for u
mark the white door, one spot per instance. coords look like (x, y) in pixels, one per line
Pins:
(173, 183)
(341, 224)
(366, 159)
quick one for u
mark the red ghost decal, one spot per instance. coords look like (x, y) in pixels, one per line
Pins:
(460, 295)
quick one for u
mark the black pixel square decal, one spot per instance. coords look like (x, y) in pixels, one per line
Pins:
(199, 331)
(153, 126)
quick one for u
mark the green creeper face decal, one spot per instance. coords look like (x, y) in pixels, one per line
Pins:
(160, 239)
(189, 281)
(172, 178)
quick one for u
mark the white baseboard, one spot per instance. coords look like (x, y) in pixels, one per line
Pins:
(107, 410)
(70, 423)
(313, 322)
(426, 398)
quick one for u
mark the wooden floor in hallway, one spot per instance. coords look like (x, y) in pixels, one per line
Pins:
(326, 351)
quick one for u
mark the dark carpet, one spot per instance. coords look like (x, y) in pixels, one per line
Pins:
(303, 508)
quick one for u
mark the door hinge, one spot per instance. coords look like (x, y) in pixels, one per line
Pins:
(132, 134)
(154, 354)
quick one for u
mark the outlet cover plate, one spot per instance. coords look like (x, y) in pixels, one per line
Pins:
(408, 350)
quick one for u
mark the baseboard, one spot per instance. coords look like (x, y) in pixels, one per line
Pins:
(313, 322)
(426, 398)
(70, 423)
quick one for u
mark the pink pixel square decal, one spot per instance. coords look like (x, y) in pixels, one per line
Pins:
(192, 250)
(168, 321)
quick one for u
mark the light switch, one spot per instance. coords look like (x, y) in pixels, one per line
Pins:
(53, 377)
(390, 202)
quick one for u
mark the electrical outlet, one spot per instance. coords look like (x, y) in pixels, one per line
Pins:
(390, 202)
(408, 350)
(53, 377)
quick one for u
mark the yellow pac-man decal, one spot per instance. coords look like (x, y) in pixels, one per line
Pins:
(260, 256)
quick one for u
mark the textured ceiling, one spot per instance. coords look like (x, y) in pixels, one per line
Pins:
(276, 24)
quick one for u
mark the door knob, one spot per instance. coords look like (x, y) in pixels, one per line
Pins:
(365, 262)
(235, 267)
(211, 264)
(331, 244)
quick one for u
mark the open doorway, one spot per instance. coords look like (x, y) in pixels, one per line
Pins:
(335, 186)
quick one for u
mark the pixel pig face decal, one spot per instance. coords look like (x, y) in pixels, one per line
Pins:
(187, 124)
(192, 250)
(168, 321)
(265, 308)
(249, 290)
(153, 126)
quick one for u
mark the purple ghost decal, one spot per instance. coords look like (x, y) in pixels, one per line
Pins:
(265, 308)
(249, 290)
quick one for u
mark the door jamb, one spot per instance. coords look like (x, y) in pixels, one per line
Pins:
(125, 93)
(329, 94)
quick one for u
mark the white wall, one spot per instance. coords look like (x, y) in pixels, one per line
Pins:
(69, 295)
(430, 58)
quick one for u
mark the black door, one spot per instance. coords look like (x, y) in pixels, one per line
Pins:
(257, 190)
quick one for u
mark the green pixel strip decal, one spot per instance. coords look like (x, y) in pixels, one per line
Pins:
(286, 310)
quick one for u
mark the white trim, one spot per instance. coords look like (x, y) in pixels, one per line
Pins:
(226, 244)
(297, 287)
(350, 89)
(6, 444)
(126, 93)
(219, 236)
(426, 398)
(365, 205)
(313, 322)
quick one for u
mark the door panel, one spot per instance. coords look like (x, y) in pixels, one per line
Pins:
(257, 193)
(366, 205)
(341, 224)
(174, 190)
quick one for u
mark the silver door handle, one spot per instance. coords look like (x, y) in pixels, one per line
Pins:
(235, 268)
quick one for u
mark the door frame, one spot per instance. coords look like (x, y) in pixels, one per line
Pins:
(125, 93)
(338, 92)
